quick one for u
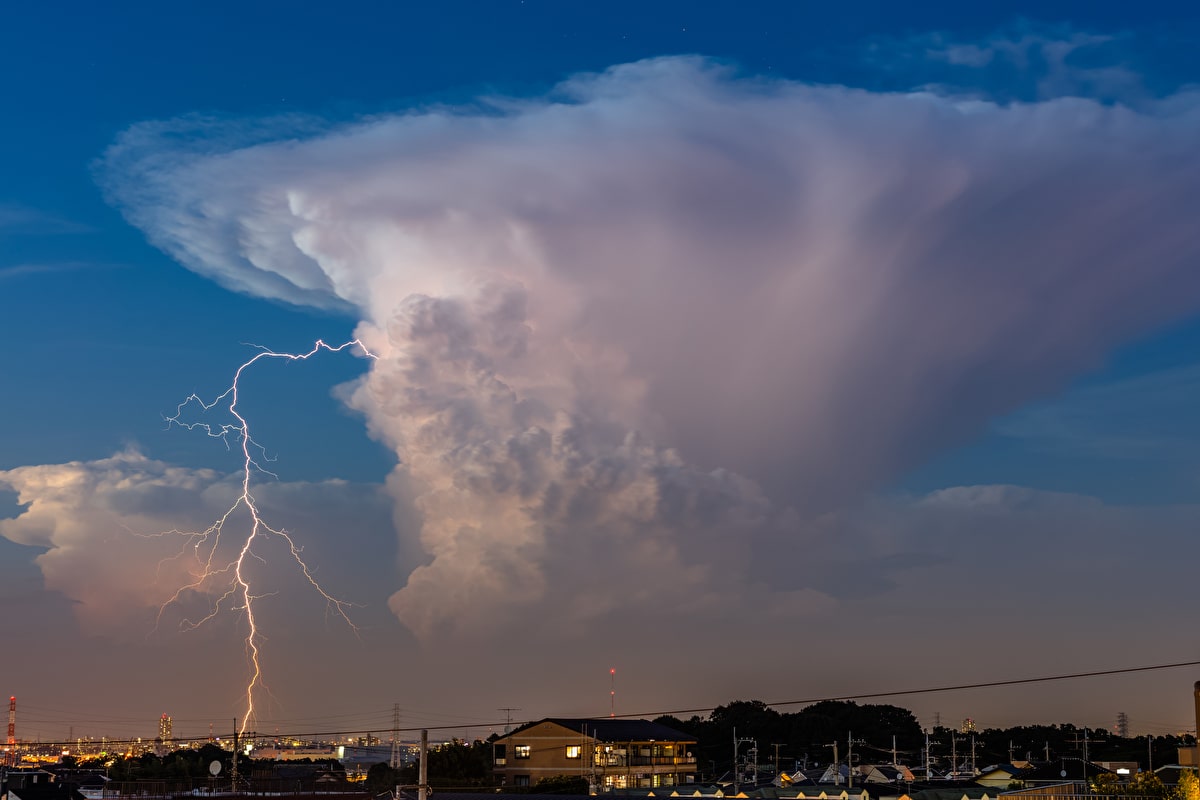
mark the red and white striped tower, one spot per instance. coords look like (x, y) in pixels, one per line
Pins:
(12, 720)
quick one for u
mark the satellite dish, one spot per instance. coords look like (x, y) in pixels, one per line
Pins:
(1063, 773)
(214, 768)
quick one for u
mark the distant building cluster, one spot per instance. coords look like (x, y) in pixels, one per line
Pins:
(165, 740)
(620, 757)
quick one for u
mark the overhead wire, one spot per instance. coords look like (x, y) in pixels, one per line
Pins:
(935, 689)
(318, 734)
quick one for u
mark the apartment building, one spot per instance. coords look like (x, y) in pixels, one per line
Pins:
(609, 753)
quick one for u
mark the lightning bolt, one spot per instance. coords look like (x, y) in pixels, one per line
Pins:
(228, 580)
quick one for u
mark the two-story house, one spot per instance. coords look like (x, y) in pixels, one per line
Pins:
(608, 753)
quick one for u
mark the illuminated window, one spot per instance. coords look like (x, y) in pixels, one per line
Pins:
(574, 751)
(522, 750)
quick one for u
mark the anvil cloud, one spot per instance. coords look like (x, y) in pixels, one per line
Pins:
(665, 314)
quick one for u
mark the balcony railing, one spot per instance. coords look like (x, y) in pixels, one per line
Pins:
(613, 760)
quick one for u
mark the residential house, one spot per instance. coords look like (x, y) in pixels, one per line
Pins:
(1062, 770)
(1169, 774)
(838, 774)
(883, 773)
(609, 753)
(999, 776)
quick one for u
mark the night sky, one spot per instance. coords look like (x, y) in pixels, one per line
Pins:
(758, 351)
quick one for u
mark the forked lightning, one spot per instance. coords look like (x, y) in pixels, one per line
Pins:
(228, 579)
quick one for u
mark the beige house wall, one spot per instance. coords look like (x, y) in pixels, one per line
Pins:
(547, 745)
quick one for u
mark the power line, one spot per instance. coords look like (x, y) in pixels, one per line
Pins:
(935, 689)
(807, 701)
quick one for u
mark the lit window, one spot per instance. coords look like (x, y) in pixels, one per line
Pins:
(522, 750)
(574, 751)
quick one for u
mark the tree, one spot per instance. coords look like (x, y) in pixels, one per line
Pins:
(802, 734)
(1188, 787)
(381, 778)
(1141, 785)
(456, 764)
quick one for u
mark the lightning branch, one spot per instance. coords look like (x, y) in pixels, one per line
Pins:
(228, 579)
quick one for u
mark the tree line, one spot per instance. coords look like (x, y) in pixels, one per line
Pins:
(803, 737)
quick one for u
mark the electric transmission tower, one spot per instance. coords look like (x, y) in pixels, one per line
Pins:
(395, 761)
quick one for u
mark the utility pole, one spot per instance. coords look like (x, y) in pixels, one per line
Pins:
(850, 759)
(737, 765)
(1085, 757)
(929, 754)
(589, 747)
(973, 772)
(776, 746)
(837, 771)
(735, 760)
(423, 769)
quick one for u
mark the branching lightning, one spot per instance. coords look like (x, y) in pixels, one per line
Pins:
(228, 580)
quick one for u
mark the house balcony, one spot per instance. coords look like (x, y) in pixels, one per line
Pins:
(679, 763)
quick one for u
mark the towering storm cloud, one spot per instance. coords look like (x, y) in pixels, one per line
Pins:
(665, 315)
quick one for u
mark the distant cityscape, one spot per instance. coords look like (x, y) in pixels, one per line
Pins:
(367, 748)
(830, 749)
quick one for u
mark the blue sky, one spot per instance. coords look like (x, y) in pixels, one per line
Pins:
(78, 77)
(1057, 411)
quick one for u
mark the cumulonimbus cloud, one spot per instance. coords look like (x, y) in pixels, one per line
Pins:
(665, 308)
